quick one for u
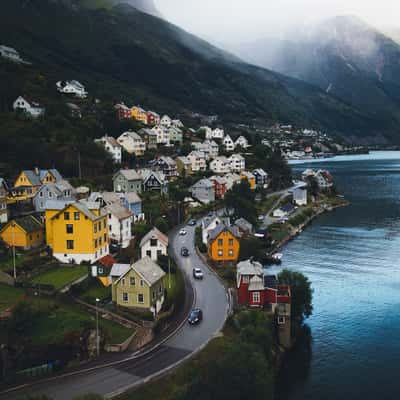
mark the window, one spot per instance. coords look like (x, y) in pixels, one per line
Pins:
(123, 281)
(41, 194)
(220, 242)
(154, 294)
(66, 216)
(230, 242)
(70, 228)
(141, 282)
(105, 238)
(230, 252)
(148, 253)
(95, 228)
(50, 195)
(99, 241)
(70, 244)
(220, 253)
(77, 216)
(160, 289)
(140, 298)
(125, 297)
(153, 242)
(256, 297)
(110, 227)
(104, 224)
(246, 279)
(281, 320)
(30, 237)
(109, 216)
(132, 281)
(101, 270)
(95, 242)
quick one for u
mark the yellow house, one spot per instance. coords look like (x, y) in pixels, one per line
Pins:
(76, 231)
(26, 232)
(138, 286)
(29, 182)
(251, 179)
(139, 114)
(223, 243)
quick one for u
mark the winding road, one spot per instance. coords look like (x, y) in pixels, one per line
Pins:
(120, 375)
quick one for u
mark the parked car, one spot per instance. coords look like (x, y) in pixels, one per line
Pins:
(195, 316)
(184, 252)
(182, 232)
(198, 273)
(192, 222)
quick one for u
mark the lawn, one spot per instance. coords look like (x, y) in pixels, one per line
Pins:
(8, 265)
(265, 205)
(279, 233)
(61, 276)
(9, 296)
(175, 294)
(95, 290)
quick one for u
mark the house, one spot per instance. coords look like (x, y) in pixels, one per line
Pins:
(250, 178)
(10, 54)
(283, 211)
(74, 110)
(28, 107)
(132, 143)
(198, 160)
(61, 190)
(220, 165)
(242, 142)
(3, 201)
(140, 286)
(150, 137)
(112, 147)
(72, 87)
(29, 182)
(152, 118)
(123, 112)
(127, 180)
(203, 190)
(223, 244)
(300, 196)
(139, 114)
(162, 132)
(154, 244)
(120, 221)
(228, 143)
(175, 135)
(238, 163)
(308, 173)
(153, 180)
(324, 179)
(76, 231)
(102, 269)
(217, 133)
(261, 178)
(25, 233)
(177, 123)
(184, 166)
(166, 165)
(207, 132)
(208, 224)
(166, 121)
(231, 180)
(245, 227)
(219, 186)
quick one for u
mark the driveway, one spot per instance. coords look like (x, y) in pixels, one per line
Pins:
(209, 295)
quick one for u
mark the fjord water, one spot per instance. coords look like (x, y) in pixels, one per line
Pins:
(352, 257)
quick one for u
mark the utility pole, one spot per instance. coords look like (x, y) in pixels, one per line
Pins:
(97, 328)
(13, 246)
(169, 272)
(79, 165)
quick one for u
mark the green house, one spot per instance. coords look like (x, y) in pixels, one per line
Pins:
(138, 286)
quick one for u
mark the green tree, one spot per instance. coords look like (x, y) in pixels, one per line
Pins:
(241, 199)
(162, 224)
(21, 320)
(279, 170)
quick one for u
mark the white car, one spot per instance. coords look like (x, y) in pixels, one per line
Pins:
(197, 273)
(182, 232)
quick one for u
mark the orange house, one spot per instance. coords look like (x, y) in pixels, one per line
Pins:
(223, 244)
(26, 232)
(251, 179)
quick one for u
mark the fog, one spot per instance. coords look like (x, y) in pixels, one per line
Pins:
(229, 21)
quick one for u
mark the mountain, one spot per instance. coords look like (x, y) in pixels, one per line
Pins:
(343, 56)
(121, 53)
(146, 6)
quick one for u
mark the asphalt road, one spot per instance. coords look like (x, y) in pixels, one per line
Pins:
(209, 295)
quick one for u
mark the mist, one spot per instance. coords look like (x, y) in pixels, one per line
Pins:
(225, 22)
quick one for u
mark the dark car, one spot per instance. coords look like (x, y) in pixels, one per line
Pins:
(184, 252)
(192, 222)
(195, 316)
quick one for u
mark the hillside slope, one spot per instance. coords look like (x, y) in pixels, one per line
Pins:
(125, 54)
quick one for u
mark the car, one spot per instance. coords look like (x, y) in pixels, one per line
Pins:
(210, 214)
(195, 316)
(184, 252)
(192, 222)
(198, 273)
(182, 232)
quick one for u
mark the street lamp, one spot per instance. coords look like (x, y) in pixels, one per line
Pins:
(97, 328)
(13, 246)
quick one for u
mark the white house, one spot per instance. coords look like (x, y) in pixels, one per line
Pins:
(163, 134)
(231, 180)
(229, 144)
(213, 148)
(300, 196)
(132, 143)
(238, 163)
(177, 123)
(207, 131)
(154, 244)
(324, 179)
(241, 141)
(283, 211)
(120, 221)
(111, 145)
(198, 160)
(207, 225)
(220, 165)
(29, 107)
(72, 87)
(166, 121)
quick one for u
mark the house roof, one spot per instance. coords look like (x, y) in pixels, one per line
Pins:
(243, 224)
(147, 173)
(287, 207)
(119, 269)
(129, 174)
(250, 267)
(204, 183)
(132, 134)
(83, 206)
(219, 229)
(33, 178)
(112, 141)
(119, 211)
(260, 171)
(107, 261)
(207, 221)
(132, 197)
(184, 160)
(28, 223)
(148, 270)
(154, 233)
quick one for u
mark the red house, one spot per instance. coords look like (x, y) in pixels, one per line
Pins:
(123, 112)
(152, 118)
(219, 186)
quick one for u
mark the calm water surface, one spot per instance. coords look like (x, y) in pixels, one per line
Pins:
(352, 257)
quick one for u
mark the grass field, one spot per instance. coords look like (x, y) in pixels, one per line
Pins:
(95, 290)
(9, 296)
(8, 265)
(60, 277)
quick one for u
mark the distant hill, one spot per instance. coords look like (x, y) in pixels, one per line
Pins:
(343, 56)
(125, 54)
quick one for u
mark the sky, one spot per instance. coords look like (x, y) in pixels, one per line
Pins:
(242, 20)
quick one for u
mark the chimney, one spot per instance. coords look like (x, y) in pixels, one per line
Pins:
(36, 170)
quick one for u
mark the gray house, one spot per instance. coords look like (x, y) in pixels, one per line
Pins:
(203, 190)
(127, 180)
(62, 190)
